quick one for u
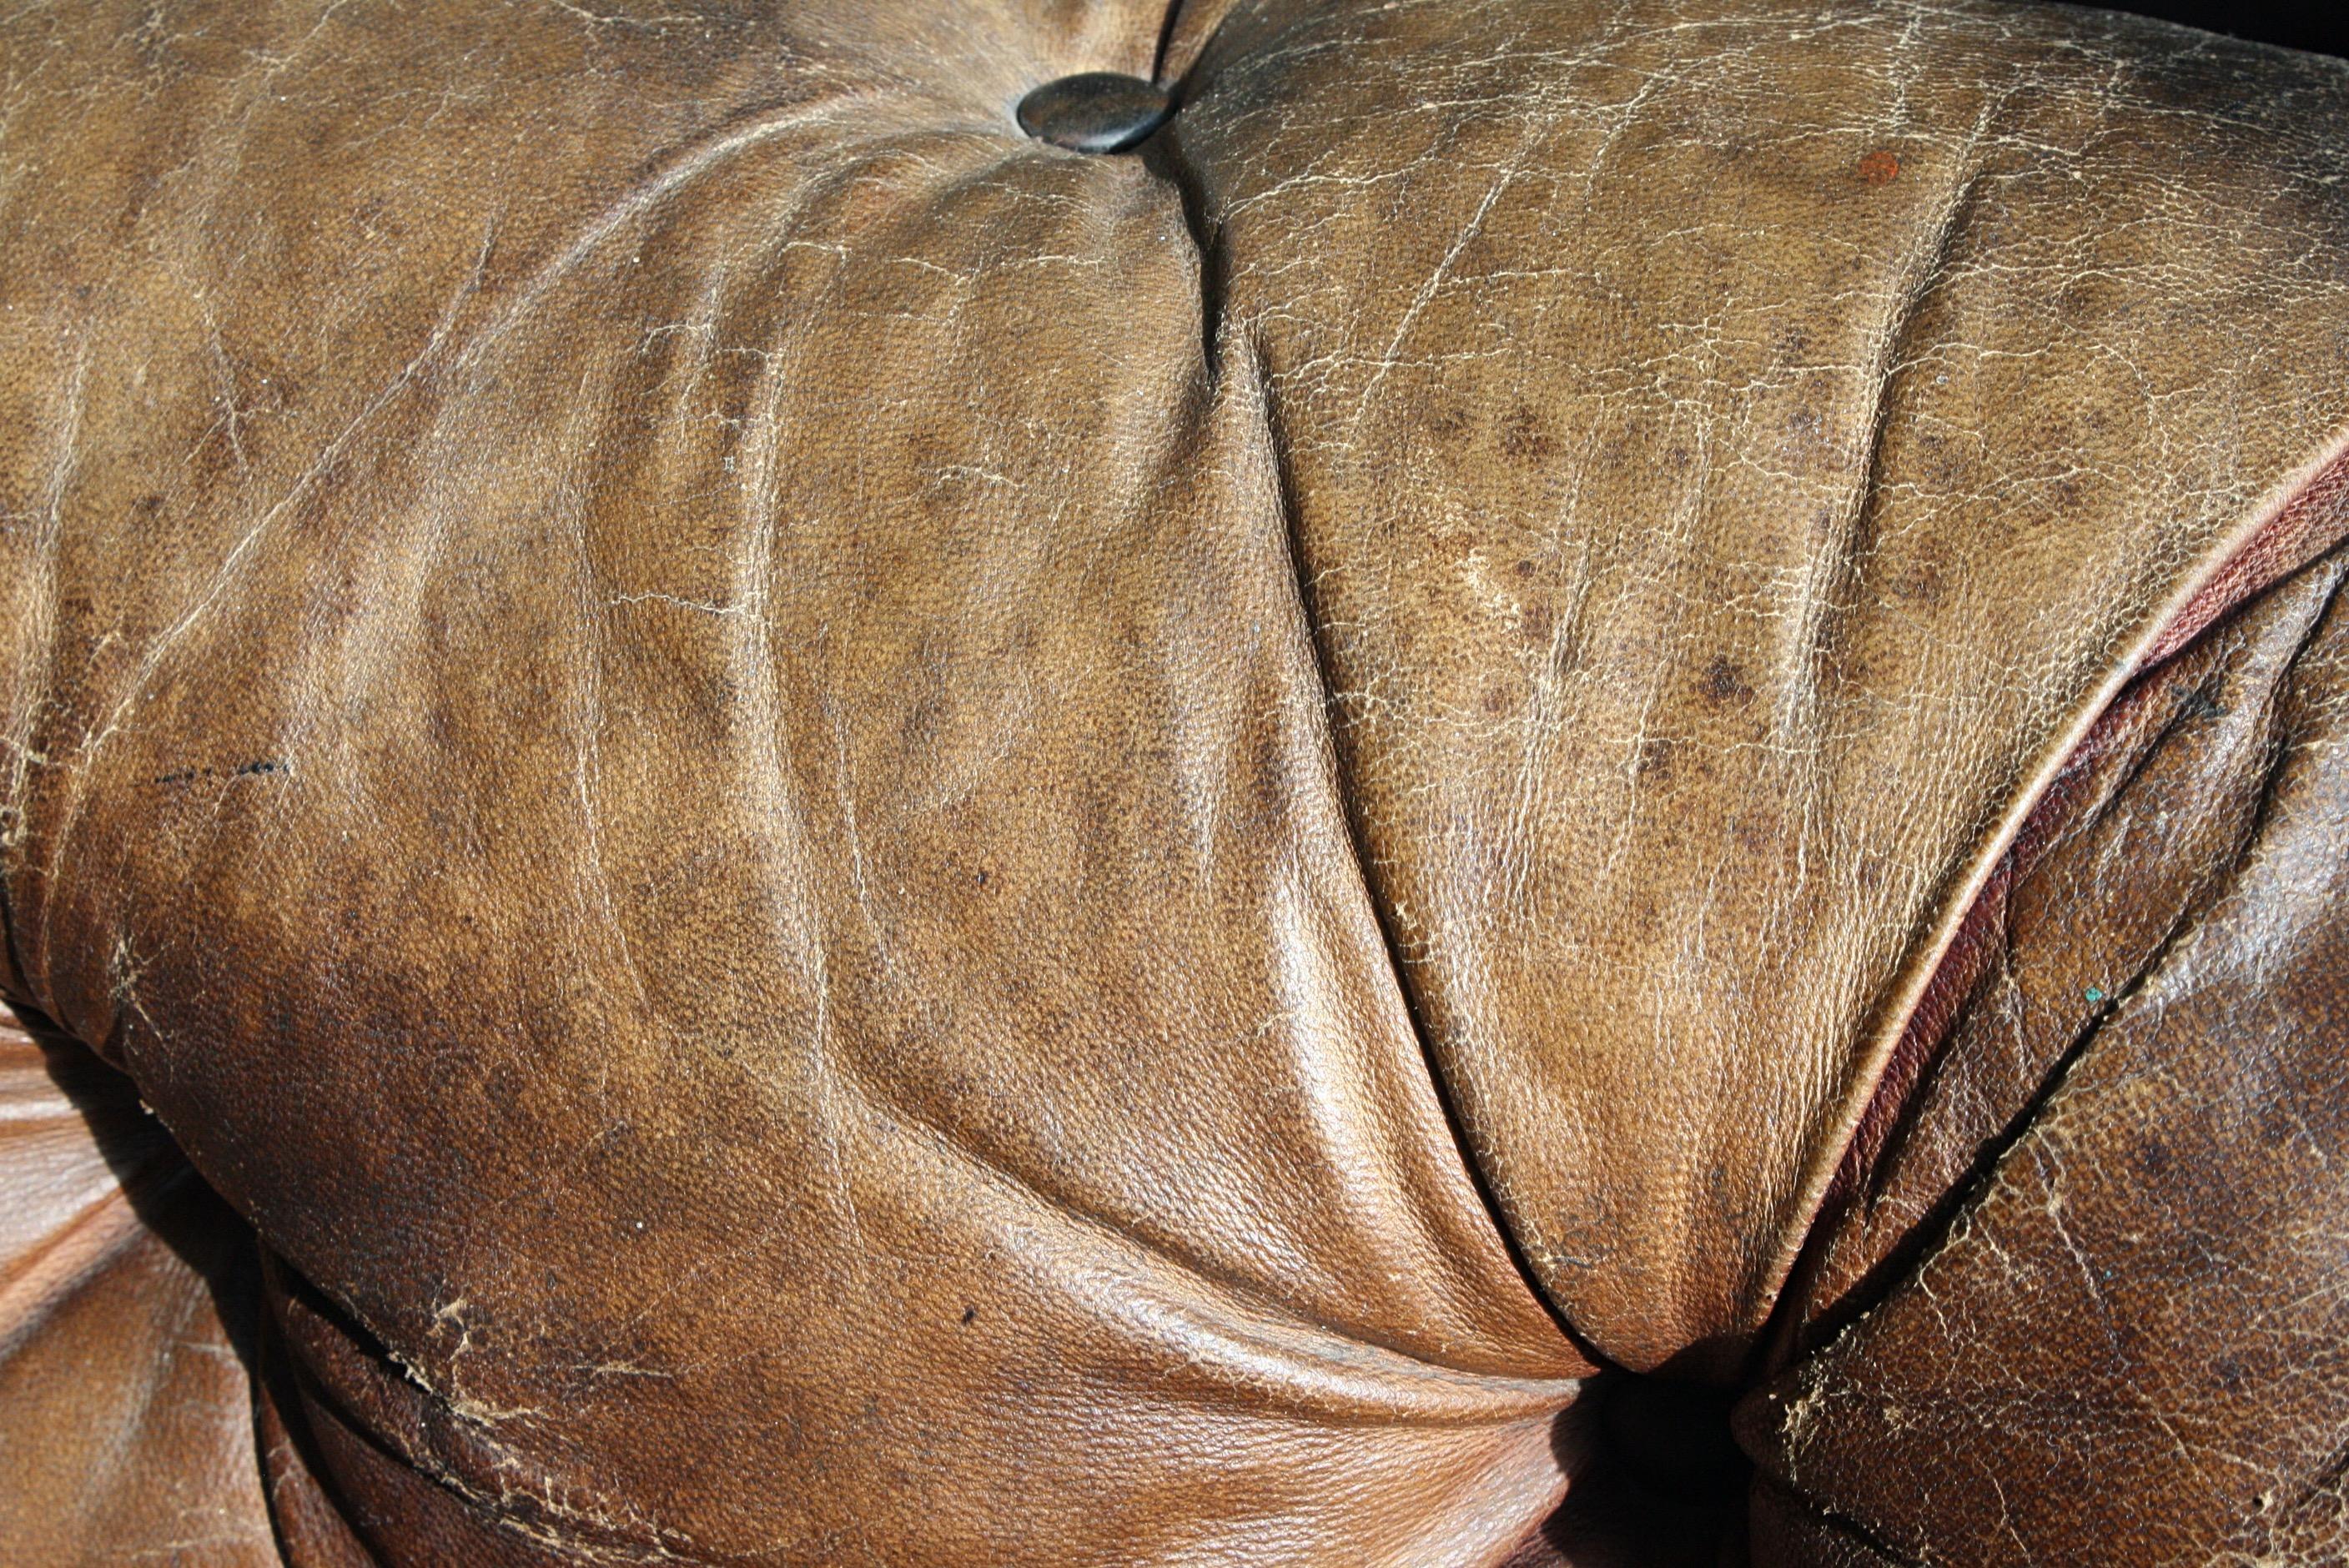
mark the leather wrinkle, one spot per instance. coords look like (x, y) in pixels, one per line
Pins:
(1851, 1528)
(2157, 645)
(1804, 1322)
(117, 1228)
(1527, 1394)
(432, 1444)
(1868, 1065)
(678, 171)
(2297, 723)
(2010, 96)
(1164, 155)
(1476, 1166)
(468, 355)
(1209, 236)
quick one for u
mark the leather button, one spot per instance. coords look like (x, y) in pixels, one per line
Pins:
(1094, 112)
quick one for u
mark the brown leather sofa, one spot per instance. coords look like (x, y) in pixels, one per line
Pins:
(1569, 785)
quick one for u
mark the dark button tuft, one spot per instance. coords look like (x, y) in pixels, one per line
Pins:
(1095, 112)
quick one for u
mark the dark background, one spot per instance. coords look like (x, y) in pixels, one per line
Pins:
(2320, 24)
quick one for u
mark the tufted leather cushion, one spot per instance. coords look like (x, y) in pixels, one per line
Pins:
(827, 836)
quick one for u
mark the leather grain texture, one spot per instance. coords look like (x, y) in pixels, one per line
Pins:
(849, 839)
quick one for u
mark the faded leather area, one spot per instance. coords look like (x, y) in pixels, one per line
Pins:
(863, 843)
(1735, 449)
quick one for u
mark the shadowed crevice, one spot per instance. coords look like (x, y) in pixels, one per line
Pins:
(1164, 156)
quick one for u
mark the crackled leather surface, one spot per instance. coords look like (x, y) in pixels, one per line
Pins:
(1752, 424)
(863, 841)
(2142, 1298)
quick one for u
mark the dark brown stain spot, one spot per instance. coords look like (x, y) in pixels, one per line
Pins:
(1726, 683)
(1881, 167)
(1920, 584)
(1522, 436)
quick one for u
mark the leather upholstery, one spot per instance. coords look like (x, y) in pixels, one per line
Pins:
(854, 841)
